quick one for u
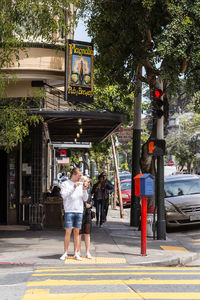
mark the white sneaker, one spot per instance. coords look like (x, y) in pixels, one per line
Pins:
(64, 256)
(88, 255)
(77, 256)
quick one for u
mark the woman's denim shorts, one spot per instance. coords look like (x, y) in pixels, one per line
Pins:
(73, 220)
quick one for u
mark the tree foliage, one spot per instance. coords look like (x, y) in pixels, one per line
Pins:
(184, 143)
(112, 98)
(14, 124)
(100, 152)
(162, 36)
(195, 104)
(29, 21)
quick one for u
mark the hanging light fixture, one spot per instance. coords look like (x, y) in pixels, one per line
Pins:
(81, 130)
(75, 140)
(80, 121)
(78, 135)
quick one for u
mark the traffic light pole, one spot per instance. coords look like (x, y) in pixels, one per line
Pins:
(161, 223)
(135, 201)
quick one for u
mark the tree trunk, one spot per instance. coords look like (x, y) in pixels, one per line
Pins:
(118, 182)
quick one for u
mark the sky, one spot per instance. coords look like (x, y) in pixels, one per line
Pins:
(81, 33)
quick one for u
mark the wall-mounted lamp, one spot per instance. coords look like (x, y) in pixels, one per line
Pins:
(80, 121)
(81, 130)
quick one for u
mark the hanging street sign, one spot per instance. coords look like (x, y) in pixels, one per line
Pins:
(80, 71)
(125, 134)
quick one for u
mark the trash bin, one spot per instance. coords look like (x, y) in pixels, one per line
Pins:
(53, 210)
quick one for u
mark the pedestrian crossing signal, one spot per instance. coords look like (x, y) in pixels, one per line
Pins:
(156, 147)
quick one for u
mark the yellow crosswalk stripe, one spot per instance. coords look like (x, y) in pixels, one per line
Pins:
(41, 269)
(46, 289)
(114, 273)
(144, 281)
(168, 296)
(111, 296)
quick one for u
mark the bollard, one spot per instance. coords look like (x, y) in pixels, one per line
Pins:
(144, 226)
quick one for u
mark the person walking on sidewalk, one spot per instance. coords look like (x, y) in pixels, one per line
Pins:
(74, 194)
(107, 197)
(87, 221)
(99, 191)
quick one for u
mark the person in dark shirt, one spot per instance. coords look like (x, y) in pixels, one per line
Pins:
(63, 177)
(55, 192)
(99, 190)
(87, 221)
(108, 193)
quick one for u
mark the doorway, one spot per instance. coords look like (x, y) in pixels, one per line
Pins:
(3, 187)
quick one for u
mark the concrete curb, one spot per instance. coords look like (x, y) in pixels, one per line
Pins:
(185, 260)
(176, 261)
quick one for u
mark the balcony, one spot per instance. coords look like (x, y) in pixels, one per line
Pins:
(38, 62)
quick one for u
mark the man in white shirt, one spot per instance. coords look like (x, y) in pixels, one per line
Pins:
(74, 193)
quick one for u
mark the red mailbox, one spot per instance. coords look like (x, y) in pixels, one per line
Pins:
(137, 184)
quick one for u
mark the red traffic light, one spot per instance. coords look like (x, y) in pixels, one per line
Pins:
(157, 103)
(157, 93)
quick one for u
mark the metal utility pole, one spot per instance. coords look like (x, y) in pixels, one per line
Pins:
(161, 222)
(135, 201)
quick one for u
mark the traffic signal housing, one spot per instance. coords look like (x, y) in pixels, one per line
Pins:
(157, 103)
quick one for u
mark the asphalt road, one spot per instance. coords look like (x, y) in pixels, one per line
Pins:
(189, 236)
(13, 281)
(102, 282)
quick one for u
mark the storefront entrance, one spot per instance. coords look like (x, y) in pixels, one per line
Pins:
(3, 186)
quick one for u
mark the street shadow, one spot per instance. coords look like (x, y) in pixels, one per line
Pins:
(125, 236)
(54, 256)
(191, 227)
(124, 253)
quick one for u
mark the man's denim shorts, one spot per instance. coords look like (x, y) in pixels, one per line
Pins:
(73, 220)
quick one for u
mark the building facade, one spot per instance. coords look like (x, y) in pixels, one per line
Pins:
(27, 172)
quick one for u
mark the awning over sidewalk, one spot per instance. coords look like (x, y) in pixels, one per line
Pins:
(63, 126)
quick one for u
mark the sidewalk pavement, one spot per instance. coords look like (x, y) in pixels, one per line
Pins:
(115, 242)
